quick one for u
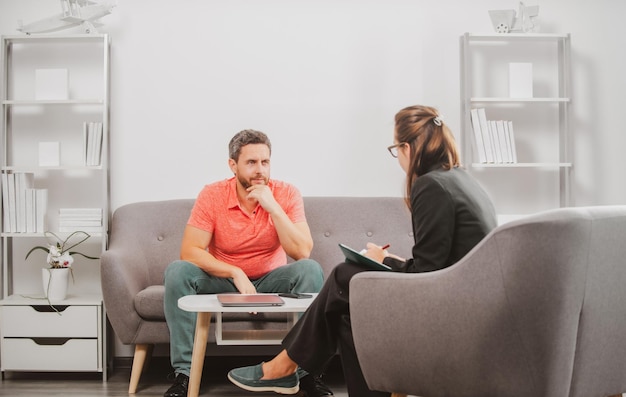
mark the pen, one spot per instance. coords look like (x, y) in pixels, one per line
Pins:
(384, 247)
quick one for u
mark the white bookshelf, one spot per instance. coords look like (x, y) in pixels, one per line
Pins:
(74, 339)
(541, 177)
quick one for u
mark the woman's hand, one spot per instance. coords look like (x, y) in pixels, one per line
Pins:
(375, 252)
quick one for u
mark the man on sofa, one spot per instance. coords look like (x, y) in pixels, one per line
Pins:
(237, 239)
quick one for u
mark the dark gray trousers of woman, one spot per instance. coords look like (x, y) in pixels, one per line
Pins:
(324, 330)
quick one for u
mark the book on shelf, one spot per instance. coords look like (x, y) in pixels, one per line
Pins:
(23, 182)
(84, 219)
(512, 140)
(479, 144)
(12, 209)
(486, 134)
(92, 142)
(31, 206)
(86, 229)
(493, 139)
(21, 202)
(6, 224)
(80, 211)
(80, 222)
(505, 147)
(497, 147)
(41, 205)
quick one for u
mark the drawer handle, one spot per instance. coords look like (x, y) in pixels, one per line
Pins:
(49, 309)
(50, 341)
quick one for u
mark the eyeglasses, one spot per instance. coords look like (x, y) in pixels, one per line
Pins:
(393, 149)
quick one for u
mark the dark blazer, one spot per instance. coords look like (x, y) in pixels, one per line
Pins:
(450, 213)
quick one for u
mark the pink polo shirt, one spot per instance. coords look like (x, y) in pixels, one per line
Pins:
(247, 241)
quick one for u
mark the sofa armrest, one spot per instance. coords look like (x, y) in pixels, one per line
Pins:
(123, 274)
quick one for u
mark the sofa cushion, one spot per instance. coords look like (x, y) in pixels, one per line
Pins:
(149, 303)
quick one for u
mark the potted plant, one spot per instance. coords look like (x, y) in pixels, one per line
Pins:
(56, 275)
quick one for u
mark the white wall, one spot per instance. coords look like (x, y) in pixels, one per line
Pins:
(324, 79)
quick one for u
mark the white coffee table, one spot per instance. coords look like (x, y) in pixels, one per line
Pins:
(205, 305)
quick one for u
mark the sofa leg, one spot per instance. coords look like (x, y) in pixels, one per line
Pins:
(142, 352)
(398, 395)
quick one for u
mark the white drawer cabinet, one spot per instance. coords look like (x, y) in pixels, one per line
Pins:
(57, 354)
(36, 338)
(41, 321)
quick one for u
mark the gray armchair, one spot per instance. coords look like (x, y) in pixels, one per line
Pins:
(538, 309)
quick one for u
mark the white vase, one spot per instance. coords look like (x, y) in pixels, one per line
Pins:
(55, 282)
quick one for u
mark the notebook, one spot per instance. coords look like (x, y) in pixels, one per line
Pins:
(249, 300)
(360, 259)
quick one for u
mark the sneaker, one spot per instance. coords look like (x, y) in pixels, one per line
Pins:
(249, 378)
(314, 387)
(179, 388)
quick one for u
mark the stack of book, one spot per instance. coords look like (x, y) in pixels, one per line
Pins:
(23, 206)
(494, 139)
(92, 136)
(88, 220)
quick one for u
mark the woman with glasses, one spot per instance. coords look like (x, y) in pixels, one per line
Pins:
(450, 214)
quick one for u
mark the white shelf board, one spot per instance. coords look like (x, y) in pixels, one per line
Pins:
(35, 102)
(36, 168)
(514, 100)
(515, 36)
(520, 165)
(51, 38)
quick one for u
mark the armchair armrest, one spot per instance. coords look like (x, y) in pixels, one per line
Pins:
(501, 321)
(424, 334)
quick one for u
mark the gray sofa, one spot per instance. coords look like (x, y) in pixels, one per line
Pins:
(538, 308)
(145, 237)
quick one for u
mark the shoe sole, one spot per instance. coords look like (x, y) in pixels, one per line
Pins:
(275, 389)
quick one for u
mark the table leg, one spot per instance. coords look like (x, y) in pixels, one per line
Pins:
(203, 321)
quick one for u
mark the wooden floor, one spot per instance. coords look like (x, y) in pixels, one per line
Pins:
(153, 382)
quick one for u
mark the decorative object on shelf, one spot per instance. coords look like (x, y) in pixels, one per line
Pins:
(502, 20)
(55, 283)
(74, 13)
(520, 80)
(508, 21)
(60, 257)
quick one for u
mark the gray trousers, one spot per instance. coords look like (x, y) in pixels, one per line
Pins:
(184, 278)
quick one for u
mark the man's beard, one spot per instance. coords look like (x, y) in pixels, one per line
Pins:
(246, 183)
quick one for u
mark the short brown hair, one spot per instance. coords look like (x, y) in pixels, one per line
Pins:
(246, 137)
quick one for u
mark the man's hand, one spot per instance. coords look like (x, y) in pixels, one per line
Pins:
(264, 196)
(243, 283)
